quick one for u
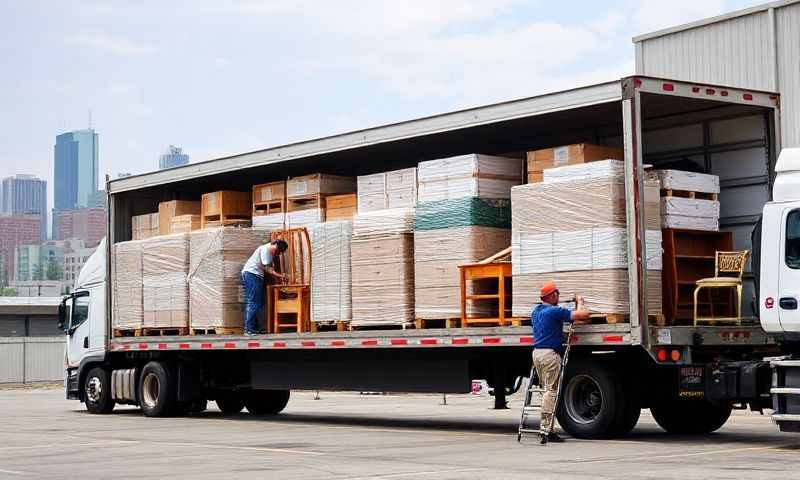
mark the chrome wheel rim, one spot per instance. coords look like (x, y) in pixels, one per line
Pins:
(151, 388)
(94, 390)
(583, 399)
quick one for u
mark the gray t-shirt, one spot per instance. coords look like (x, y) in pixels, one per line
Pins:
(258, 261)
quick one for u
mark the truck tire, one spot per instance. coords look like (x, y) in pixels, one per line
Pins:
(266, 402)
(629, 411)
(591, 399)
(97, 391)
(157, 390)
(690, 416)
(230, 405)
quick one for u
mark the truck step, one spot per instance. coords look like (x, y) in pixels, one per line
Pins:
(785, 391)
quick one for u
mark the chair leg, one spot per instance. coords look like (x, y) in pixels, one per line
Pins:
(696, 292)
(739, 304)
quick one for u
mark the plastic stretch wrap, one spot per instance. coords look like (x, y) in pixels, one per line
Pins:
(689, 207)
(585, 170)
(459, 212)
(690, 223)
(331, 271)
(688, 181)
(300, 218)
(593, 249)
(437, 255)
(468, 176)
(165, 293)
(395, 189)
(216, 295)
(273, 221)
(605, 291)
(126, 284)
(382, 260)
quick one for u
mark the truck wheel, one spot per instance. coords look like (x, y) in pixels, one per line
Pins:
(230, 405)
(266, 402)
(590, 401)
(157, 389)
(690, 416)
(97, 391)
(629, 411)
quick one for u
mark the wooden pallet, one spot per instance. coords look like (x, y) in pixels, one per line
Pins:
(403, 326)
(164, 331)
(451, 322)
(226, 222)
(689, 194)
(656, 319)
(127, 332)
(217, 331)
(340, 326)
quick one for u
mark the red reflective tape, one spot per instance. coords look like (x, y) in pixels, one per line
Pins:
(126, 347)
(162, 346)
(460, 341)
(695, 89)
(279, 344)
(668, 87)
(369, 343)
(525, 339)
(338, 343)
(747, 96)
(710, 91)
(491, 340)
(612, 338)
(142, 346)
(399, 341)
(307, 344)
(746, 334)
(253, 344)
(429, 341)
(229, 345)
(183, 346)
(724, 93)
(206, 345)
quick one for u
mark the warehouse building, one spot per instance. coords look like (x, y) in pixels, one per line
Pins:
(31, 345)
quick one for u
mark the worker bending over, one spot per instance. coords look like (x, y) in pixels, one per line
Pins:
(548, 321)
(259, 263)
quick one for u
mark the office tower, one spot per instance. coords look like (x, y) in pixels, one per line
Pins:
(173, 158)
(25, 195)
(75, 169)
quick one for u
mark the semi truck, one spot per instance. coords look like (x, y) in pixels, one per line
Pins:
(690, 377)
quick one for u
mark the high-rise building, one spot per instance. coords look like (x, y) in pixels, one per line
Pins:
(76, 169)
(25, 195)
(33, 262)
(75, 256)
(16, 230)
(173, 158)
(87, 224)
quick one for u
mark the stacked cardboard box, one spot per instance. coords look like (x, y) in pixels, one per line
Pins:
(126, 284)
(168, 210)
(216, 258)
(541, 160)
(395, 189)
(471, 175)
(690, 213)
(144, 226)
(572, 229)
(165, 293)
(382, 261)
(331, 271)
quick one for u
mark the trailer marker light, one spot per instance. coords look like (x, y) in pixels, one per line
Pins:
(747, 96)
(126, 347)
(460, 341)
(612, 338)
(710, 91)
(661, 355)
(675, 355)
(429, 341)
(369, 343)
(724, 93)
(525, 339)
(637, 82)
(668, 87)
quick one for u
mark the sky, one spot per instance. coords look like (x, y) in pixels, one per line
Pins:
(224, 77)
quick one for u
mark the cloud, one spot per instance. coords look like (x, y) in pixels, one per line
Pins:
(650, 16)
(106, 43)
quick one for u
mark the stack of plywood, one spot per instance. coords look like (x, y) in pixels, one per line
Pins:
(382, 260)
(541, 160)
(572, 229)
(126, 285)
(395, 189)
(331, 271)
(216, 297)
(165, 293)
(682, 205)
(144, 226)
(169, 210)
(306, 196)
(463, 216)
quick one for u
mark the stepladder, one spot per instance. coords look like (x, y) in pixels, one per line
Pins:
(534, 393)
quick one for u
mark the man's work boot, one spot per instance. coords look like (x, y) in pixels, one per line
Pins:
(542, 439)
(552, 437)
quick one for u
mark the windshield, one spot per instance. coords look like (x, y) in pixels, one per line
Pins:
(80, 311)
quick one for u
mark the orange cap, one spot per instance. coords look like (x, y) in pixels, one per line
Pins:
(547, 289)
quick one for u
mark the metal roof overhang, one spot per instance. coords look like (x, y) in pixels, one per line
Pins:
(448, 122)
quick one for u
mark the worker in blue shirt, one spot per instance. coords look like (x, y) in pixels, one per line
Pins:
(548, 321)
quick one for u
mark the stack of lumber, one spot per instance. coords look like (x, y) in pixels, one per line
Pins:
(226, 208)
(463, 216)
(571, 229)
(331, 271)
(306, 196)
(395, 189)
(144, 226)
(541, 160)
(169, 210)
(184, 224)
(382, 260)
(165, 293)
(126, 284)
(341, 207)
(689, 200)
(216, 258)
(269, 205)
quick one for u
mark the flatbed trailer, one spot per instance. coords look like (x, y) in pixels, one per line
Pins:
(693, 376)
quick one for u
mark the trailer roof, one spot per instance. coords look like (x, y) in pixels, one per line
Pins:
(494, 113)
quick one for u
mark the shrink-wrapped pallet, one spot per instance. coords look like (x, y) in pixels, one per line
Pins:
(272, 221)
(165, 292)
(471, 175)
(216, 295)
(395, 189)
(301, 218)
(126, 284)
(382, 260)
(331, 271)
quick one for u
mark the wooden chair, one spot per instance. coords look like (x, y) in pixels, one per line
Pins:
(728, 269)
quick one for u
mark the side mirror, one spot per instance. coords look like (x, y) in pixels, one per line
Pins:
(62, 317)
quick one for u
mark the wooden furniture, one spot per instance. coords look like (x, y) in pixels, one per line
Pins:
(174, 208)
(224, 208)
(269, 198)
(290, 302)
(492, 268)
(689, 255)
(728, 269)
(341, 207)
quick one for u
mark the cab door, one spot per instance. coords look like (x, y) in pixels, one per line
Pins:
(78, 327)
(788, 301)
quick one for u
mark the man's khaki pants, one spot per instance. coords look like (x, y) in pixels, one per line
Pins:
(548, 367)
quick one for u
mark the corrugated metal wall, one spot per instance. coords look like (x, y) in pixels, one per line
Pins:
(739, 52)
(31, 359)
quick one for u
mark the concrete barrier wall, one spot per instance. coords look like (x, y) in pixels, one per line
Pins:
(31, 359)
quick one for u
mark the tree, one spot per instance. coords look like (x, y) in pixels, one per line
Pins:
(7, 292)
(37, 273)
(54, 270)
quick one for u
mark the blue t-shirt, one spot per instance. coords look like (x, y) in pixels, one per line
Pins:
(548, 326)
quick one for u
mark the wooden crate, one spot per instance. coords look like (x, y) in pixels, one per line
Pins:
(184, 223)
(269, 198)
(225, 207)
(341, 207)
(174, 208)
(539, 160)
(306, 202)
(318, 183)
(536, 176)
(144, 226)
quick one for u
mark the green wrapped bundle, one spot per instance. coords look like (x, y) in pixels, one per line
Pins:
(463, 212)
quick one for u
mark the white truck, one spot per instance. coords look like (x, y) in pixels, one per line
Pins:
(690, 377)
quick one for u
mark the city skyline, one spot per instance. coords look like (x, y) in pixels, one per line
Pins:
(174, 157)
(25, 194)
